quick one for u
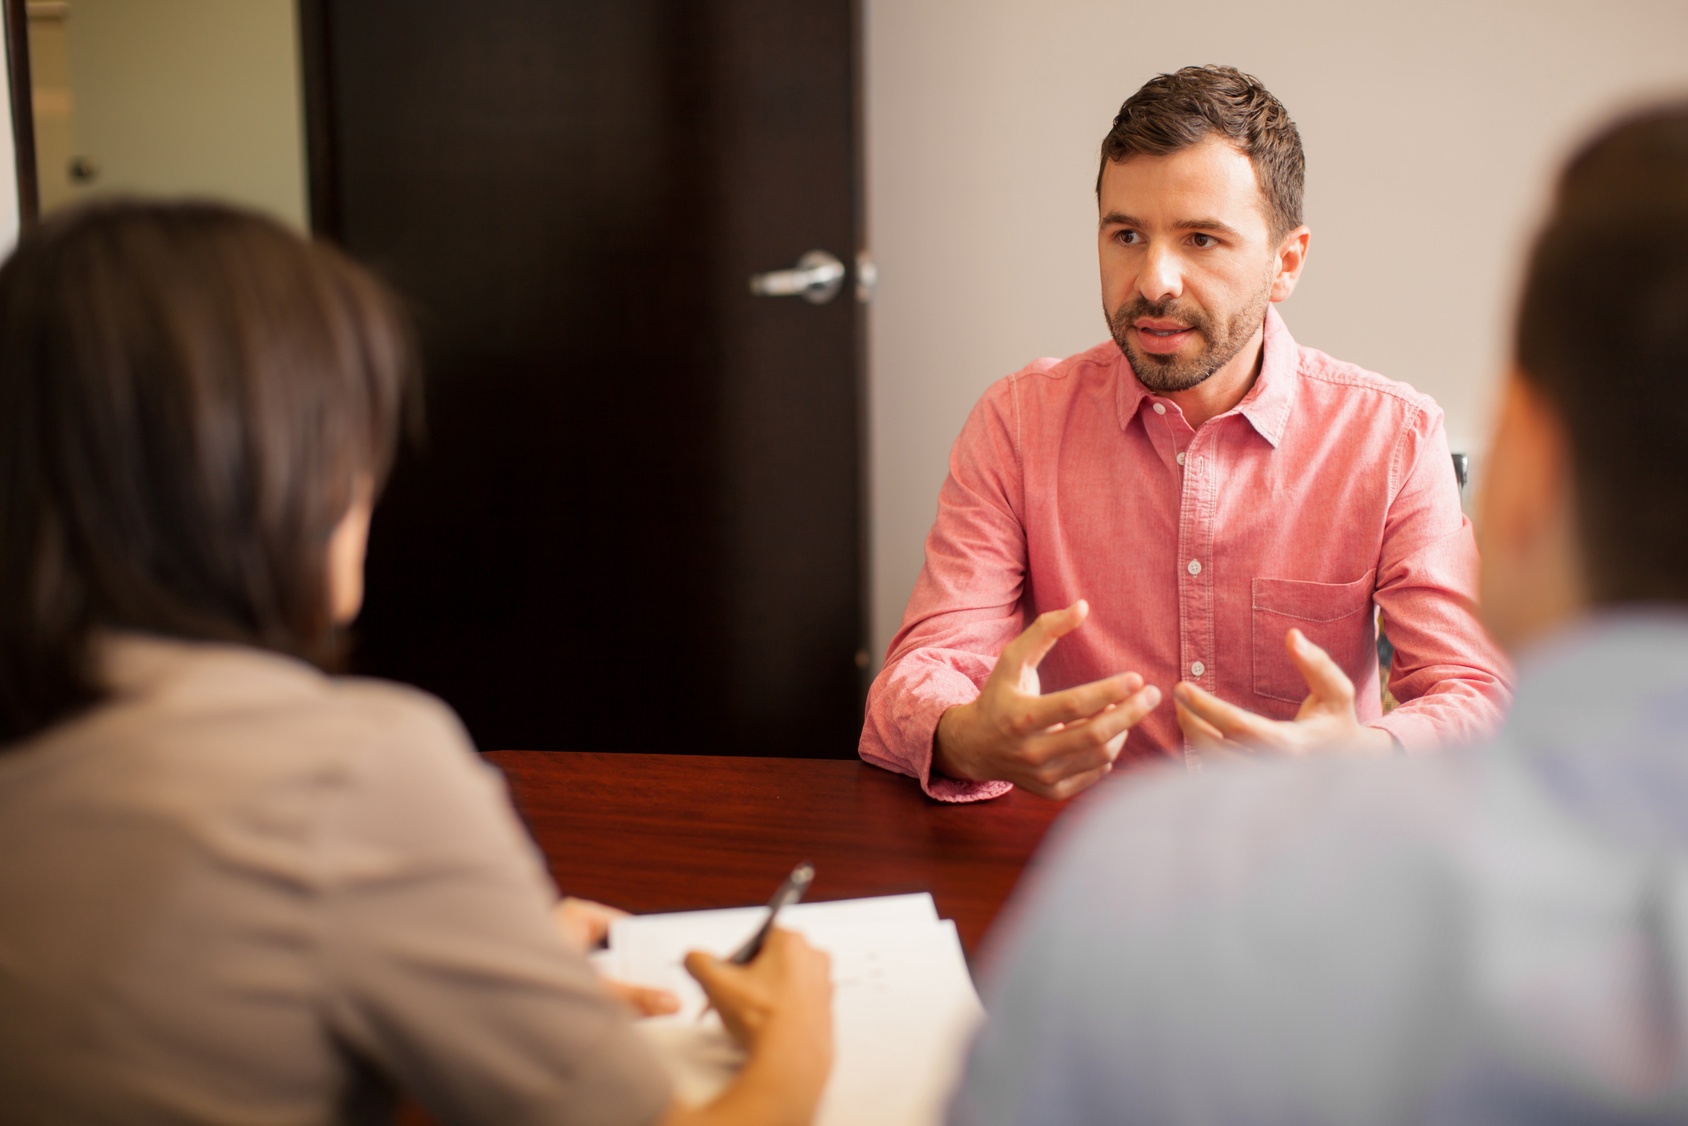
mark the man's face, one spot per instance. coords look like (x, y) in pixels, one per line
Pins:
(1188, 261)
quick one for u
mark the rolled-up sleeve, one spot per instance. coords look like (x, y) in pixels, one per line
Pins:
(966, 605)
(1451, 679)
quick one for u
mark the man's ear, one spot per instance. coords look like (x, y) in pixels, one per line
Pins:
(1527, 479)
(1531, 561)
(1292, 256)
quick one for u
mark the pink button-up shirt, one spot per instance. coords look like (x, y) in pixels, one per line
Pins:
(1326, 490)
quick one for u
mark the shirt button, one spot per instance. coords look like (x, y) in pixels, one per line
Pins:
(1197, 668)
(1195, 567)
(1160, 408)
(1180, 457)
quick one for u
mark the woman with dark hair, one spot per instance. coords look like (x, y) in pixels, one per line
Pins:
(234, 888)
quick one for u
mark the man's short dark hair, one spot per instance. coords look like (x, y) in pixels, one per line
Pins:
(1602, 336)
(1177, 110)
(188, 393)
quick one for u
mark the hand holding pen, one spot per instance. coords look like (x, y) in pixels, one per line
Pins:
(793, 889)
(782, 996)
(790, 891)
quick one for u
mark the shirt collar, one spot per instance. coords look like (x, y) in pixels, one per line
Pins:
(136, 665)
(1267, 404)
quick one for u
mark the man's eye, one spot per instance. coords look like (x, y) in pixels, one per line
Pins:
(1204, 241)
(1129, 238)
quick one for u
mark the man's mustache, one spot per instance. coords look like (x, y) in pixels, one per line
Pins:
(1160, 311)
(1138, 309)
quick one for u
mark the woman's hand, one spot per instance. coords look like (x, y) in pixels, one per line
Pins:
(585, 926)
(780, 1008)
(789, 985)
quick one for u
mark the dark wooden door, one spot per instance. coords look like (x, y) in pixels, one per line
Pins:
(636, 518)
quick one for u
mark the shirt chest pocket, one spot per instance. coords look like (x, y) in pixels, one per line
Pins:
(1336, 617)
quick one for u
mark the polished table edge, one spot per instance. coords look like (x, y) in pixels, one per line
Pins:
(722, 830)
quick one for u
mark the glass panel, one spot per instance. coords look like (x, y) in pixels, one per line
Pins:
(168, 98)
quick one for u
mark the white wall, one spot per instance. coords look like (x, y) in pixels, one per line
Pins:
(1431, 130)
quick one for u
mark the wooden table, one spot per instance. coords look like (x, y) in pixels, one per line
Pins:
(679, 832)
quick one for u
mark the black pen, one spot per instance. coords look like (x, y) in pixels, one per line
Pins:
(789, 892)
(786, 894)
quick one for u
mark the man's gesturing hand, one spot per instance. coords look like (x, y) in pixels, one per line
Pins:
(1326, 718)
(1052, 745)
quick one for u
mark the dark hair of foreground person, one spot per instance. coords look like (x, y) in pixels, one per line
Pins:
(186, 391)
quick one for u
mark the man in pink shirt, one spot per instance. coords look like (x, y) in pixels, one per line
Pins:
(1217, 507)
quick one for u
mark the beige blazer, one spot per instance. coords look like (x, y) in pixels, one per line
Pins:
(243, 891)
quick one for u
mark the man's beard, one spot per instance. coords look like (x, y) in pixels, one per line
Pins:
(1166, 374)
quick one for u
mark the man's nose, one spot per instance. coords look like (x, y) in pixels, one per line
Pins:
(1162, 276)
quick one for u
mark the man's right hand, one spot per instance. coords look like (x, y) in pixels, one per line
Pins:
(1052, 745)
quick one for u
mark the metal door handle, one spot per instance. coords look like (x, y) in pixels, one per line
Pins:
(817, 279)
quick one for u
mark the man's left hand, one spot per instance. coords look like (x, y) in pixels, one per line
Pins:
(1326, 719)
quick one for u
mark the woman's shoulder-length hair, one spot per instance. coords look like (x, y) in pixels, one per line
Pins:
(189, 396)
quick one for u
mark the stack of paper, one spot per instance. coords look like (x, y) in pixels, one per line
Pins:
(904, 1007)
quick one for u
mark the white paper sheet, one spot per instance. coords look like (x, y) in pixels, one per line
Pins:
(904, 1006)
